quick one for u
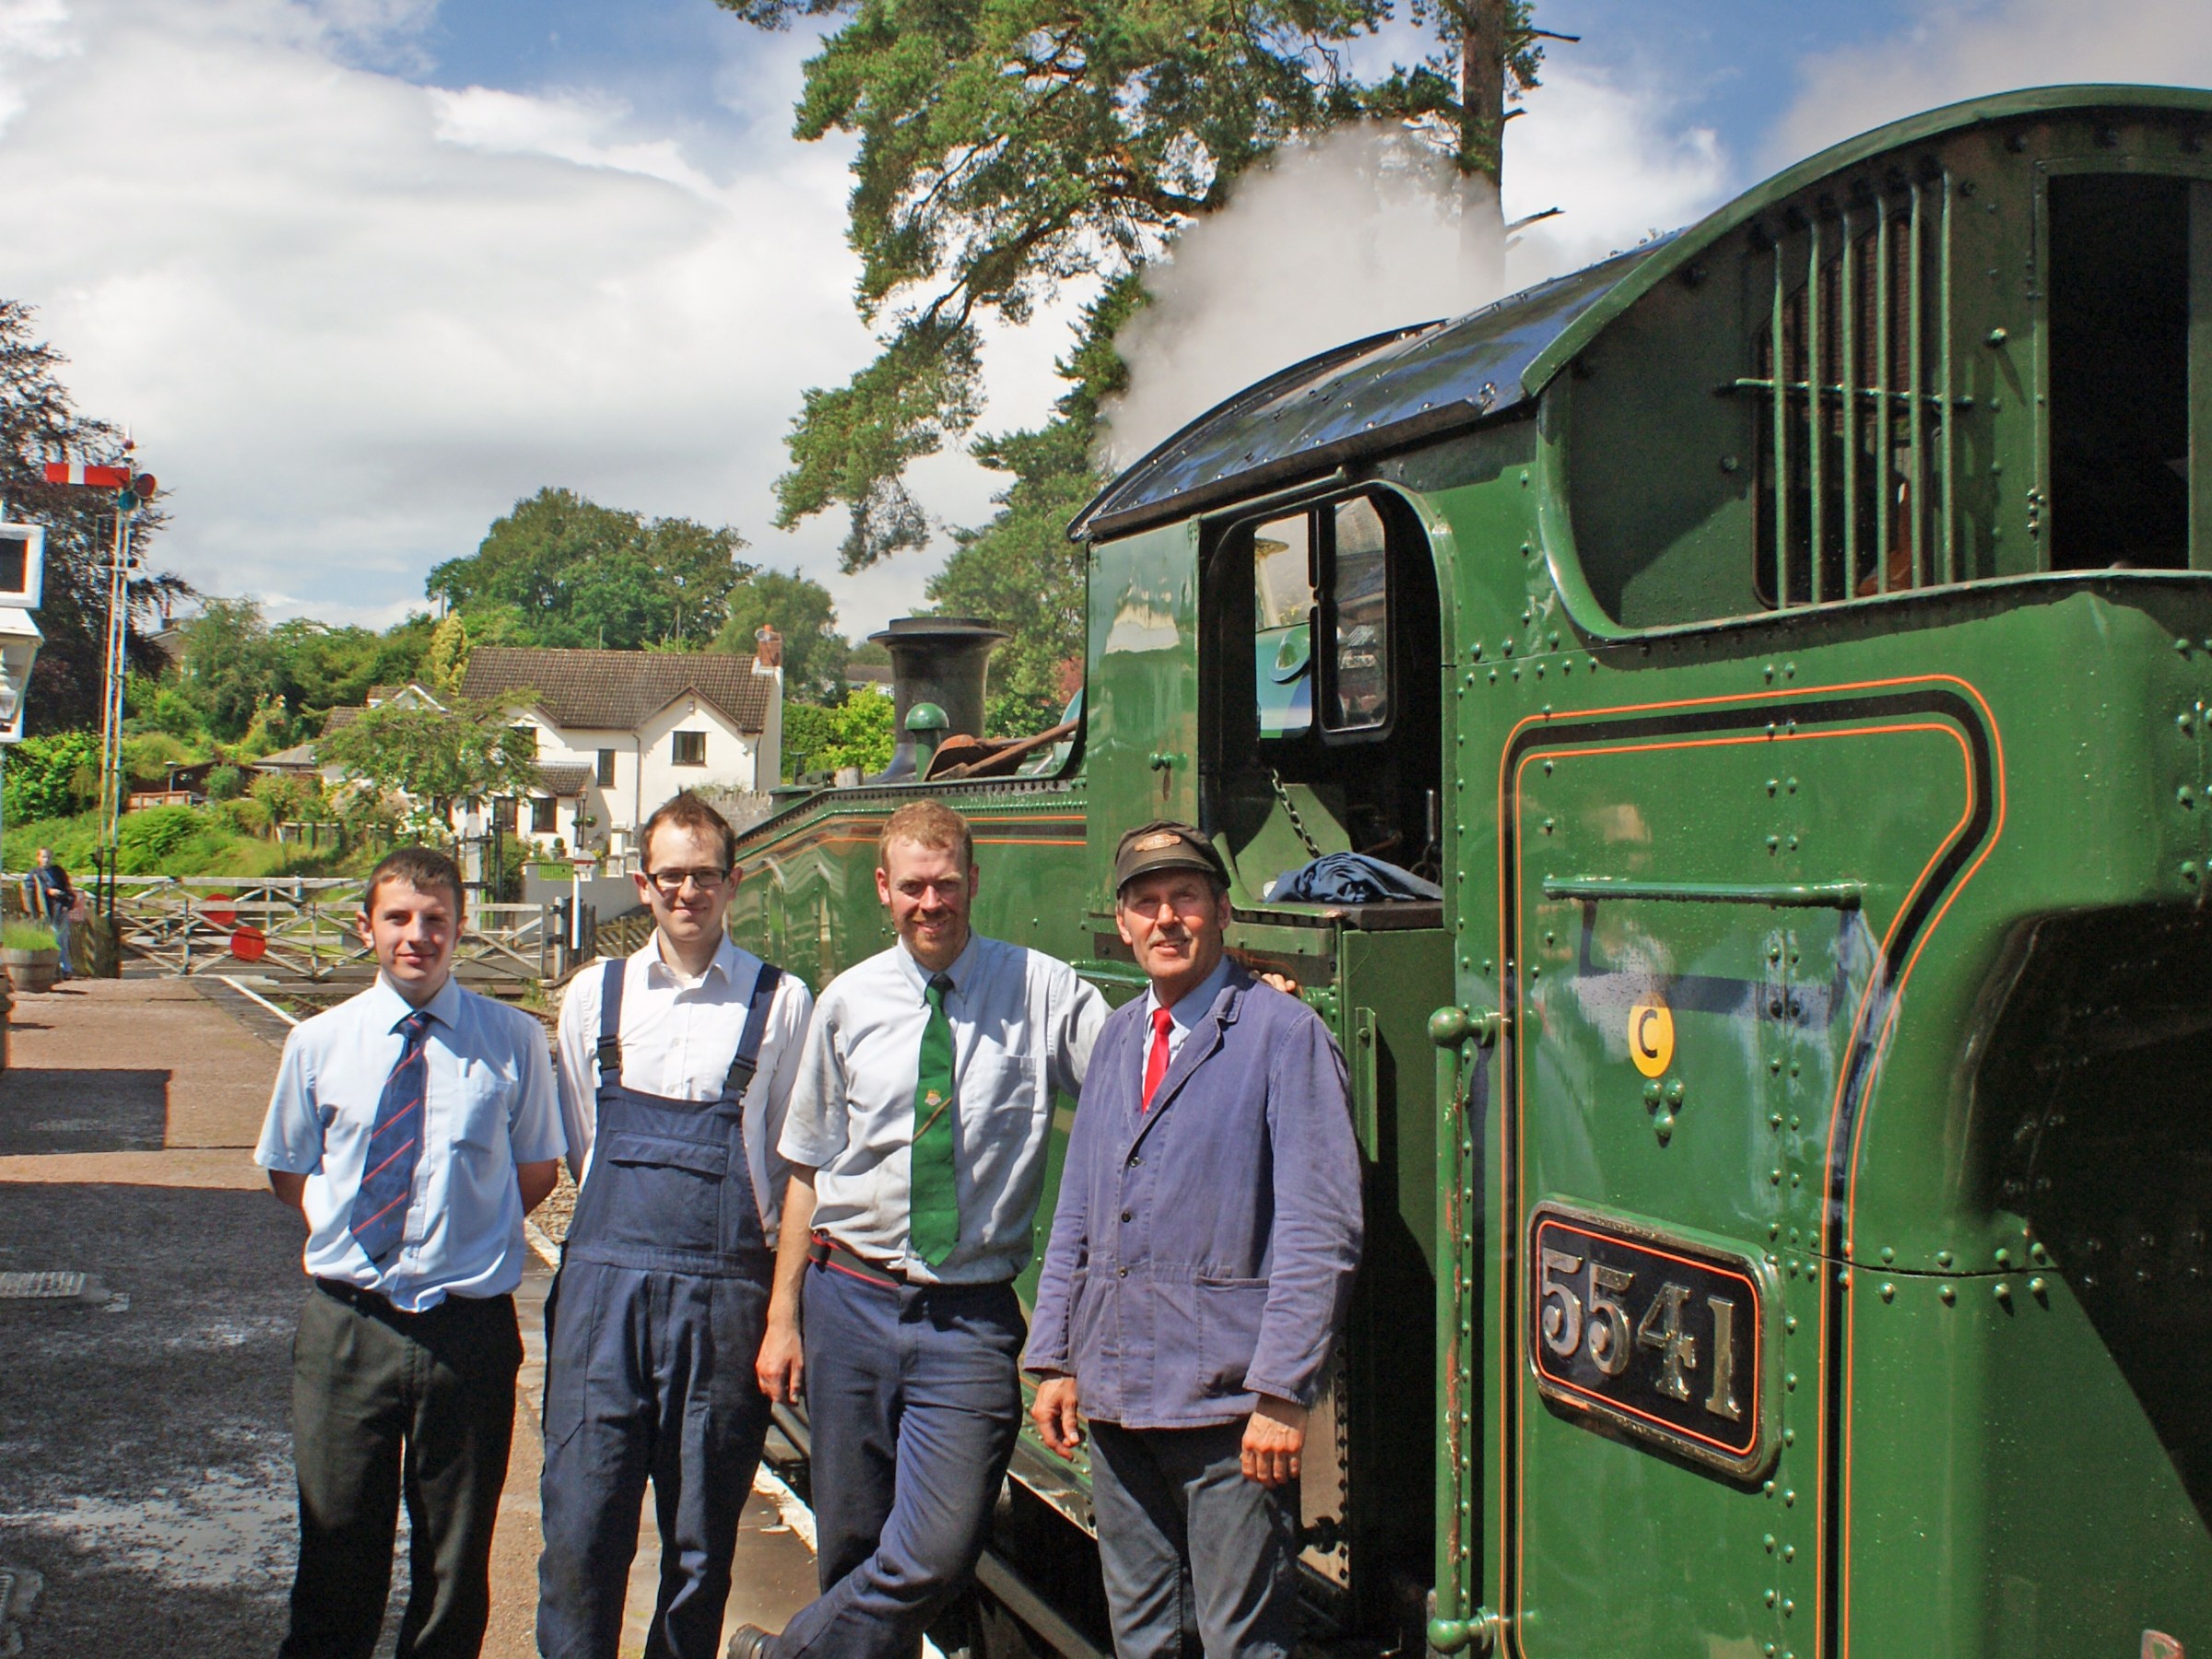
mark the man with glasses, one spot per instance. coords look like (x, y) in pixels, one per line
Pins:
(675, 1069)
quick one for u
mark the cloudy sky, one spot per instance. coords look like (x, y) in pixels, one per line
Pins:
(360, 272)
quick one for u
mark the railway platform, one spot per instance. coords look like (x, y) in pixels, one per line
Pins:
(149, 1292)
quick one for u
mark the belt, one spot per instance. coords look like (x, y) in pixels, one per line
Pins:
(379, 1306)
(826, 1251)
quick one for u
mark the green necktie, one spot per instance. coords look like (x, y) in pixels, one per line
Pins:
(934, 1204)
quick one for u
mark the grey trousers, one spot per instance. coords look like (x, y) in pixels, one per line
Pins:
(1197, 1558)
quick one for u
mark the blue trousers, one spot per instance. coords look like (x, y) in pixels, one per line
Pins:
(1189, 1547)
(648, 1374)
(912, 1398)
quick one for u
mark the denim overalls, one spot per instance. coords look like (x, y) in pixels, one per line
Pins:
(652, 1329)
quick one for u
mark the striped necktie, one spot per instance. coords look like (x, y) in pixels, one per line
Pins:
(934, 1199)
(380, 1207)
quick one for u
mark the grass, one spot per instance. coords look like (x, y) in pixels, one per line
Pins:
(26, 936)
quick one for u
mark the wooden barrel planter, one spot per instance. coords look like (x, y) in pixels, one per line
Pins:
(32, 970)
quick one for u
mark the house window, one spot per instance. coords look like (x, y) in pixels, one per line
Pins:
(503, 814)
(604, 773)
(690, 749)
(541, 814)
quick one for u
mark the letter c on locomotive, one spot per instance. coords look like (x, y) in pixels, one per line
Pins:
(1652, 1037)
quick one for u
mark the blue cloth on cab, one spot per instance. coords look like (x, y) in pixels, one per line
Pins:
(652, 1330)
(1351, 878)
(1203, 1251)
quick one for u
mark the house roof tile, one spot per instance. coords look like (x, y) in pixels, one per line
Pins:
(562, 778)
(618, 690)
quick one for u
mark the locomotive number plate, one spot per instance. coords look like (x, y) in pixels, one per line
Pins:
(1659, 1335)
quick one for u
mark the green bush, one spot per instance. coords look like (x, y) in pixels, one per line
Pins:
(40, 772)
(19, 934)
(225, 783)
(146, 840)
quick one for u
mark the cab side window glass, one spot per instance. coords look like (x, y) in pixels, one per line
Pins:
(1282, 564)
(1359, 691)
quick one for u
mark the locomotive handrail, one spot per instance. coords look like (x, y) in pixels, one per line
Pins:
(1805, 895)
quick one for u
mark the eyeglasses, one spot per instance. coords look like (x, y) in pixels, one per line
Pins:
(671, 882)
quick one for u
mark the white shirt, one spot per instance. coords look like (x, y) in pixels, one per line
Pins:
(679, 1034)
(1190, 1008)
(1022, 1027)
(487, 1105)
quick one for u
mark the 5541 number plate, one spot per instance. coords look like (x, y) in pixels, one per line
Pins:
(1662, 1335)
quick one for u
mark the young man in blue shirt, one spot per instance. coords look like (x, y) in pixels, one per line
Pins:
(413, 1126)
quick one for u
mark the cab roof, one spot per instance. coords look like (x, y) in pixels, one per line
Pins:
(1390, 389)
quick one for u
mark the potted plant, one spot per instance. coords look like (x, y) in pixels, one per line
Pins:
(28, 953)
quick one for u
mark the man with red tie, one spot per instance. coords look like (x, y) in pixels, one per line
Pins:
(413, 1126)
(1201, 1260)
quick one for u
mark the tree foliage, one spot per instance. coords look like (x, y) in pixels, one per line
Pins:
(40, 774)
(39, 423)
(435, 757)
(240, 681)
(563, 570)
(1020, 570)
(801, 610)
(856, 731)
(1007, 146)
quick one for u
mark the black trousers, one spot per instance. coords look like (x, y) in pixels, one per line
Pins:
(386, 1404)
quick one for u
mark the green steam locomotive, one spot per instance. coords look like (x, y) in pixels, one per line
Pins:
(1788, 646)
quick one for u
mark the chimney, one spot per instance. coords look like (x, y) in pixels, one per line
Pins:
(767, 649)
(938, 660)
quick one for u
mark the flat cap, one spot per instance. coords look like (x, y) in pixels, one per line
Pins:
(1165, 844)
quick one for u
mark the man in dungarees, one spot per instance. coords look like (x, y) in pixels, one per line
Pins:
(675, 1067)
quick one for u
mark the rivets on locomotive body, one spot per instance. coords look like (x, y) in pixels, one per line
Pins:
(2003, 1292)
(1889, 1291)
(1948, 1294)
(1943, 1258)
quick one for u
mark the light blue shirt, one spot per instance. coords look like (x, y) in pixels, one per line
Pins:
(1189, 1009)
(488, 1105)
(1022, 1026)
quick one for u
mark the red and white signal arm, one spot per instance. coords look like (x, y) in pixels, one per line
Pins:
(22, 566)
(90, 477)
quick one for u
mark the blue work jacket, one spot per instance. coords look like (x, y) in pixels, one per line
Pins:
(1203, 1251)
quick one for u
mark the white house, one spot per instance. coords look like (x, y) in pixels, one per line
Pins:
(619, 732)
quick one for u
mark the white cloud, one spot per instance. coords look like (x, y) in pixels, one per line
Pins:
(1616, 159)
(352, 319)
(1958, 49)
(1361, 232)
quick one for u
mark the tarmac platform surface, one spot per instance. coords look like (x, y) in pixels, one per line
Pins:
(145, 1469)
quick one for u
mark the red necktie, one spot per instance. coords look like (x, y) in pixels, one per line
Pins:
(1156, 1062)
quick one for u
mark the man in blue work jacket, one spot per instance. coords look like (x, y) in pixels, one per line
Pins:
(1201, 1260)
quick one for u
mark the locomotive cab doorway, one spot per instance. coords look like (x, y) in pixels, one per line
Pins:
(1320, 732)
(1321, 705)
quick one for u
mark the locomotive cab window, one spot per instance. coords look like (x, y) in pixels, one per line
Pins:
(2118, 280)
(1321, 700)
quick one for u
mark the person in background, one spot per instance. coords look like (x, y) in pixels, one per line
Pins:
(917, 1137)
(676, 1066)
(49, 897)
(1212, 1167)
(413, 1125)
